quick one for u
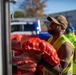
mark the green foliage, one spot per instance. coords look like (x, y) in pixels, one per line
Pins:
(19, 14)
(33, 8)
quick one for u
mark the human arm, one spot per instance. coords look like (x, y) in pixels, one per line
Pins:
(64, 54)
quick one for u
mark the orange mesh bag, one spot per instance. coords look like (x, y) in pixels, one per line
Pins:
(16, 43)
(31, 42)
(16, 37)
(39, 70)
(25, 65)
(40, 46)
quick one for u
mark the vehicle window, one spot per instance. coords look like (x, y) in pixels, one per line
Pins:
(25, 27)
(16, 28)
(29, 27)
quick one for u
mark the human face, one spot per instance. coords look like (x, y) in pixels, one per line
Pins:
(54, 28)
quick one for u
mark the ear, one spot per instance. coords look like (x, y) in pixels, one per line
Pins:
(62, 28)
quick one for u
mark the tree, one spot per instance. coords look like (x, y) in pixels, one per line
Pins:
(33, 8)
(19, 14)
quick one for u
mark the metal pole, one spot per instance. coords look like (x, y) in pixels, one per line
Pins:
(1, 61)
(8, 33)
(5, 48)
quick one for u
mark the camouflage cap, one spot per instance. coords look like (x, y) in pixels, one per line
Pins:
(60, 20)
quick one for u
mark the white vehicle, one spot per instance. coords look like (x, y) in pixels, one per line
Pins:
(29, 26)
(25, 26)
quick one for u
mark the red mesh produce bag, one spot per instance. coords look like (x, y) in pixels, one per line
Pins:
(40, 46)
(16, 37)
(25, 65)
(39, 70)
(17, 52)
(16, 43)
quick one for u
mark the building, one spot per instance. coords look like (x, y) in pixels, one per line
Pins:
(70, 15)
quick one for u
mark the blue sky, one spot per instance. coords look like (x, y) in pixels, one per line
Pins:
(52, 6)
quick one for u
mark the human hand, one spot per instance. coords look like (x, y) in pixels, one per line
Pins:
(34, 56)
